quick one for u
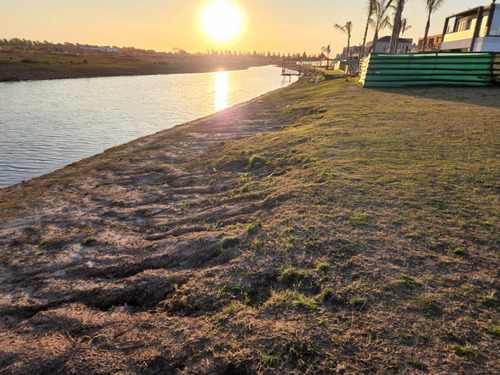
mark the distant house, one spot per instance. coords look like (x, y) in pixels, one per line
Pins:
(404, 45)
(100, 49)
(354, 52)
(474, 30)
(433, 43)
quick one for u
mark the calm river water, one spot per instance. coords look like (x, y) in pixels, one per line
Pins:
(45, 125)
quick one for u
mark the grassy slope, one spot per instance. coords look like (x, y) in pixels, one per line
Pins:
(366, 241)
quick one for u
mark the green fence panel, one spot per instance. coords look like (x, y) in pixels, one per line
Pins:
(397, 70)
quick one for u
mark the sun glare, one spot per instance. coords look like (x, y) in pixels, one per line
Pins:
(221, 20)
(221, 91)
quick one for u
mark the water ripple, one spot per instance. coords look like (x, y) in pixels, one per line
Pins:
(45, 125)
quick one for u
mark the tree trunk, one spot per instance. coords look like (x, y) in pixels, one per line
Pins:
(427, 26)
(362, 54)
(375, 39)
(396, 30)
(348, 47)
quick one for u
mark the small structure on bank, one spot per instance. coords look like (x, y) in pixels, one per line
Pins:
(448, 69)
(382, 45)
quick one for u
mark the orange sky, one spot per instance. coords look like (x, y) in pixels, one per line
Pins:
(278, 26)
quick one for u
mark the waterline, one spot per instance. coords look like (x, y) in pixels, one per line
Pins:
(45, 125)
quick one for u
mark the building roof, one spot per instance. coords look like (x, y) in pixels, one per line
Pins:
(387, 39)
(472, 11)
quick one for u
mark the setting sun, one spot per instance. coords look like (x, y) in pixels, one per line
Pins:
(221, 20)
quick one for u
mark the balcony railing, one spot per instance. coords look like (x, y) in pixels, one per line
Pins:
(467, 34)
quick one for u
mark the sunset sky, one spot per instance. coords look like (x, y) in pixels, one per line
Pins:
(269, 25)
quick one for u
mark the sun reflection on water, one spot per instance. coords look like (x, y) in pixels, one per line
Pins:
(220, 91)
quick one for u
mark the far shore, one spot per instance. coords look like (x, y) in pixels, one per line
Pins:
(30, 67)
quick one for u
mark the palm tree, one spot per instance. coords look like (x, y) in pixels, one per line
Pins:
(404, 28)
(431, 6)
(326, 51)
(372, 5)
(347, 28)
(396, 29)
(381, 19)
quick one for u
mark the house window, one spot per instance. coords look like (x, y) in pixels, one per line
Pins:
(464, 24)
(495, 24)
(469, 24)
(484, 24)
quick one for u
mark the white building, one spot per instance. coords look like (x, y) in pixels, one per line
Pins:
(474, 30)
(101, 49)
(382, 46)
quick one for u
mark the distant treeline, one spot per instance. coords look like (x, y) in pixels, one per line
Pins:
(76, 47)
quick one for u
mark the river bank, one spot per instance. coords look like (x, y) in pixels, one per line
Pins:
(322, 228)
(42, 66)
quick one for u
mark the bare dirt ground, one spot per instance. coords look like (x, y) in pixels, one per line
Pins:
(319, 229)
(147, 212)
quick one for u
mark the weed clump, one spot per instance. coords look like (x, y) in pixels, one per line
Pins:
(251, 227)
(467, 351)
(358, 302)
(302, 302)
(360, 220)
(256, 162)
(289, 276)
(459, 251)
(228, 242)
(327, 294)
(323, 266)
(427, 304)
(417, 363)
(290, 242)
(489, 299)
(407, 281)
(89, 241)
(51, 244)
(494, 330)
